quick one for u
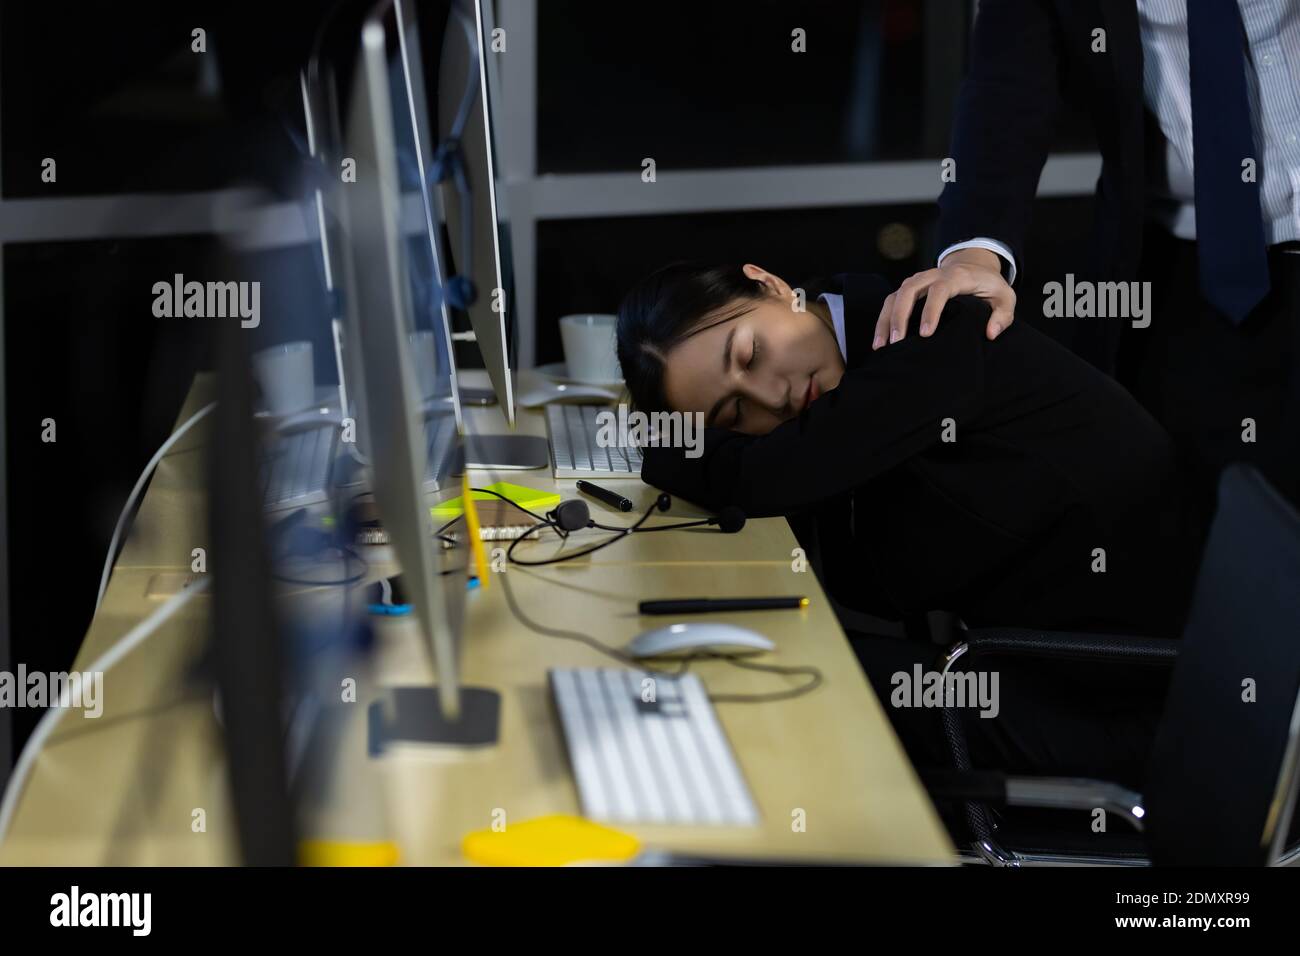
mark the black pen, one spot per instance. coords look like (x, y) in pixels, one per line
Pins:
(707, 605)
(600, 494)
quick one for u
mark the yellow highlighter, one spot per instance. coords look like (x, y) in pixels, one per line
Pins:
(472, 525)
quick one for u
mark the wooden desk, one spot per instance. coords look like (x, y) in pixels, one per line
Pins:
(123, 788)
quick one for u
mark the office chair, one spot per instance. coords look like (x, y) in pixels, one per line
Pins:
(1222, 775)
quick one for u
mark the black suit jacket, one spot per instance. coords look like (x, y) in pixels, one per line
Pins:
(1051, 460)
(1027, 57)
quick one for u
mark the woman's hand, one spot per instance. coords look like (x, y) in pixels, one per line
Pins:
(964, 272)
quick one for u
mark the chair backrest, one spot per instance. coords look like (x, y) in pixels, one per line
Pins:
(1222, 775)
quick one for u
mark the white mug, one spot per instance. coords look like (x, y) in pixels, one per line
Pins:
(590, 350)
(286, 375)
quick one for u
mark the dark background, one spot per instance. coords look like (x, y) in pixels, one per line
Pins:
(113, 92)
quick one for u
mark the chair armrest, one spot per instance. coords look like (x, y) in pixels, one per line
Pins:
(1062, 645)
(1076, 793)
(1042, 645)
(1054, 793)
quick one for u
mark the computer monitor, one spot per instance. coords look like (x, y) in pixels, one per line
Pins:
(376, 257)
(328, 71)
(6, 720)
(426, 184)
(317, 110)
(333, 53)
(421, 213)
(246, 654)
(473, 216)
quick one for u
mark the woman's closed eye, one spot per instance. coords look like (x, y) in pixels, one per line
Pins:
(749, 367)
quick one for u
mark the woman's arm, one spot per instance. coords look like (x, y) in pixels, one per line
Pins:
(882, 413)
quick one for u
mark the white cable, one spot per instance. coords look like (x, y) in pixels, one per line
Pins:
(50, 719)
(130, 500)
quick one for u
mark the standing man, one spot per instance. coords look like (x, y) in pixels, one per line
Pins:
(1196, 107)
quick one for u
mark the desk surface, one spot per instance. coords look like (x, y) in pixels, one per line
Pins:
(829, 776)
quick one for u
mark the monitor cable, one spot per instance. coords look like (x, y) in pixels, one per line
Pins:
(105, 662)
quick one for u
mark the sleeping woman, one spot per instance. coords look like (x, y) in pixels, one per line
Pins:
(1005, 481)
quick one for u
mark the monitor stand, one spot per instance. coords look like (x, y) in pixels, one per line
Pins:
(504, 452)
(414, 715)
(507, 452)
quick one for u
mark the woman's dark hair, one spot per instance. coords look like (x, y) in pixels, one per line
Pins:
(666, 307)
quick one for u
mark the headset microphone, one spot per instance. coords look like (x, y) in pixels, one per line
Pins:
(731, 519)
(571, 515)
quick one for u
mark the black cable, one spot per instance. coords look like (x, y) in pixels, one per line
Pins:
(546, 521)
(815, 675)
(623, 658)
(532, 514)
(333, 491)
(488, 491)
(342, 531)
(556, 559)
(438, 532)
(446, 538)
(658, 527)
(347, 554)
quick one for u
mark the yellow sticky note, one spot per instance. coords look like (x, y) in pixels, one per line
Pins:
(529, 498)
(346, 853)
(556, 840)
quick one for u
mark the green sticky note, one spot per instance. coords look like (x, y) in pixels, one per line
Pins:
(529, 498)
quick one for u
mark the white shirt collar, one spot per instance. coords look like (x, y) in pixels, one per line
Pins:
(836, 304)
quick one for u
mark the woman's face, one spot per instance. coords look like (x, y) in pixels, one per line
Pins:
(755, 371)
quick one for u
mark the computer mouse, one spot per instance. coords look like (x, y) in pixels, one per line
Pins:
(721, 638)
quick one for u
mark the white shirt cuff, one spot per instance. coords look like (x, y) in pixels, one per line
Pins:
(992, 245)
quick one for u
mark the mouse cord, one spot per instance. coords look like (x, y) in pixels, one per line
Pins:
(613, 652)
(816, 679)
(815, 675)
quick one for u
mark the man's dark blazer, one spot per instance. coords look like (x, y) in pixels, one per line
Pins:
(1051, 460)
(1027, 57)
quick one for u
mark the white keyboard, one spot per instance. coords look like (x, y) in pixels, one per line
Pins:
(575, 453)
(296, 469)
(662, 761)
(297, 464)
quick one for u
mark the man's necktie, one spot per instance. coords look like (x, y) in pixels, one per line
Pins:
(1229, 224)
